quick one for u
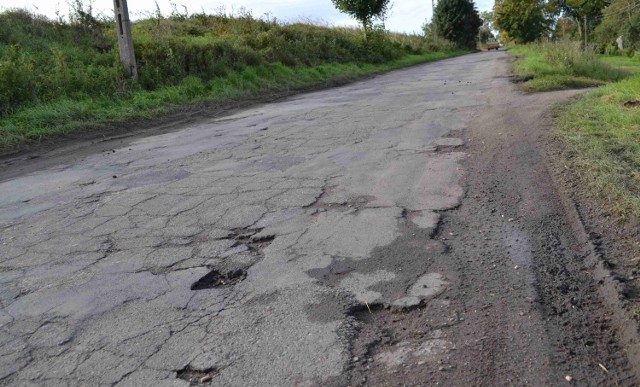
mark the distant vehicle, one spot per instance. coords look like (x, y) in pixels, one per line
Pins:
(490, 46)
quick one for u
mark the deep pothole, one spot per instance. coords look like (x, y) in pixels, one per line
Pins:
(229, 274)
(197, 377)
(216, 279)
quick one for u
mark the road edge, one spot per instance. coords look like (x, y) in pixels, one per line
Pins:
(177, 115)
(611, 289)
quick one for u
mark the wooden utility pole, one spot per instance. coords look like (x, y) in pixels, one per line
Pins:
(585, 32)
(125, 41)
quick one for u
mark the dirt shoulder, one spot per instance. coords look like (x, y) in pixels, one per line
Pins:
(614, 245)
(531, 303)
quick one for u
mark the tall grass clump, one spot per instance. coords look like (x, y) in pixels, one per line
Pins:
(562, 65)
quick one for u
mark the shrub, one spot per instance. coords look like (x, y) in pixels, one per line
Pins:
(577, 61)
(16, 80)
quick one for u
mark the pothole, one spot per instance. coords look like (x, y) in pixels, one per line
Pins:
(249, 238)
(238, 257)
(347, 204)
(215, 279)
(354, 203)
(197, 377)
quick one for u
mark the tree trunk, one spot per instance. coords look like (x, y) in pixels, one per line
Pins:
(365, 29)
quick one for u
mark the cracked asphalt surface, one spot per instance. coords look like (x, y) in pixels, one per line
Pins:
(241, 250)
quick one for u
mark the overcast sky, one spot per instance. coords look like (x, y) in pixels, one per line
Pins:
(406, 15)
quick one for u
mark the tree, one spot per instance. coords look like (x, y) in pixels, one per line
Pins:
(620, 18)
(365, 11)
(486, 32)
(487, 19)
(579, 10)
(485, 35)
(458, 21)
(523, 21)
(566, 28)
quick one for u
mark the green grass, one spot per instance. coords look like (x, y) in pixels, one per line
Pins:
(602, 139)
(601, 134)
(562, 65)
(630, 65)
(66, 115)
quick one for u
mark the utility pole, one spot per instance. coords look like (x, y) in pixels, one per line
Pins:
(585, 32)
(125, 41)
(434, 27)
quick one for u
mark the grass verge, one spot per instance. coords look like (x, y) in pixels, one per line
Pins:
(602, 135)
(66, 115)
(562, 65)
(630, 65)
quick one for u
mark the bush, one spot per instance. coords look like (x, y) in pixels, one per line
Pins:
(612, 50)
(16, 81)
(576, 61)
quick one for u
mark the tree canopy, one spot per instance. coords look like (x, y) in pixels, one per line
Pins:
(458, 21)
(365, 11)
(522, 21)
(486, 33)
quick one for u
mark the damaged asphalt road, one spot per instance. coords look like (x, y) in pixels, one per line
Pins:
(321, 240)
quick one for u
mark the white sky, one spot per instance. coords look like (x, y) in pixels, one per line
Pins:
(406, 15)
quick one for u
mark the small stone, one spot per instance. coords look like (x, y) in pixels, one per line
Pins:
(355, 359)
(516, 267)
(568, 378)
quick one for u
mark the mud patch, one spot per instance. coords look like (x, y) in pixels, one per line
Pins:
(197, 377)
(411, 347)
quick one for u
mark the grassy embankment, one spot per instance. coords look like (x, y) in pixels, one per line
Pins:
(60, 76)
(557, 66)
(602, 135)
(601, 130)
